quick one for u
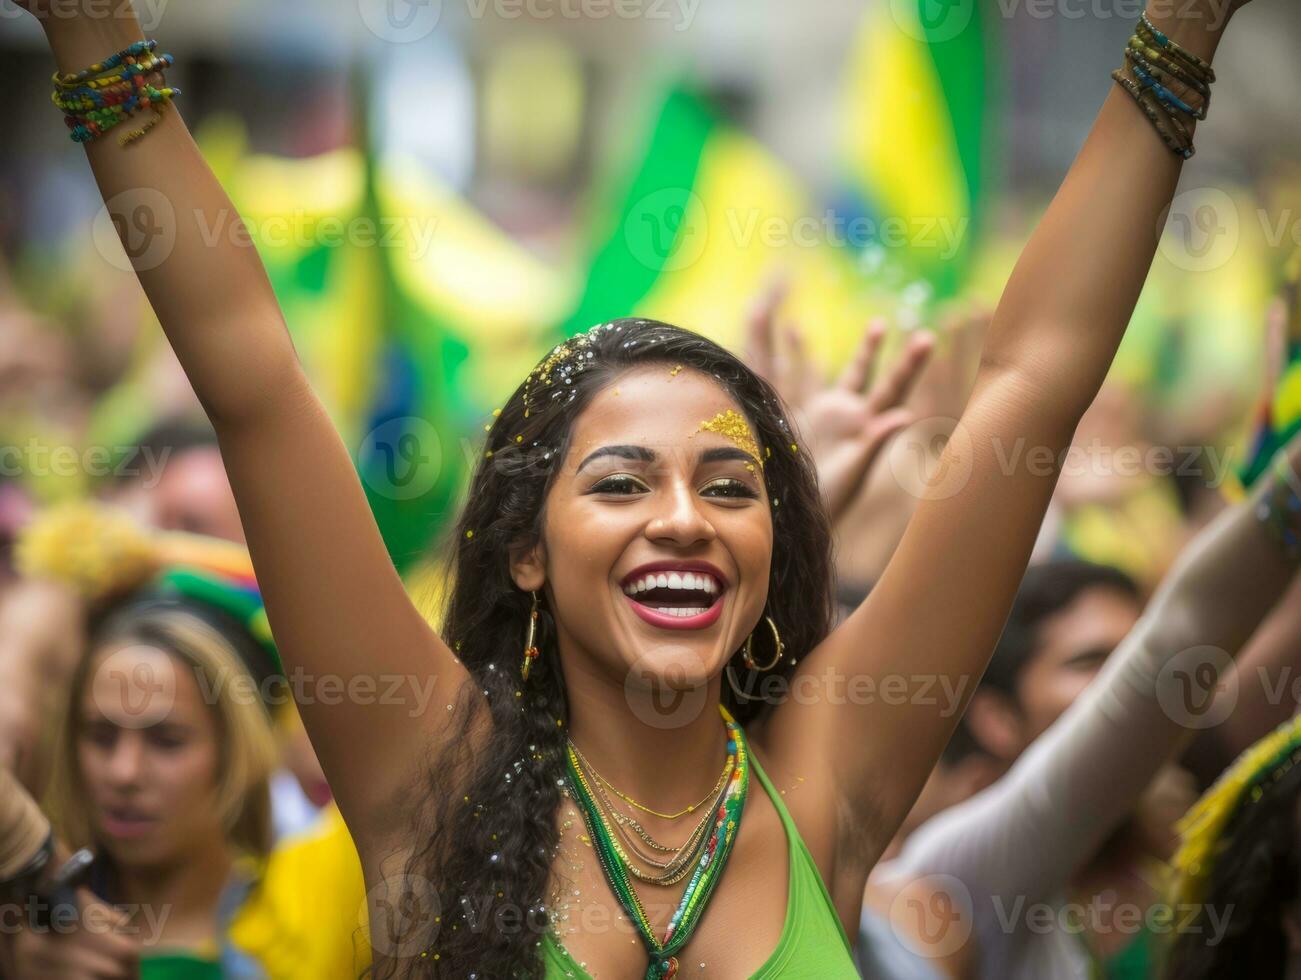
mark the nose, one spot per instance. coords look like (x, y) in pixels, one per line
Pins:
(126, 759)
(680, 521)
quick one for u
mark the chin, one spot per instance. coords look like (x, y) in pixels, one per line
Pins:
(675, 663)
(137, 854)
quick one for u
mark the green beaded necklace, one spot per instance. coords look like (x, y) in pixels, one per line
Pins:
(709, 867)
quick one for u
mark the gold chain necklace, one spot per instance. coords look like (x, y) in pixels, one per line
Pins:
(681, 855)
(627, 820)
(722, 781)
(674, 870)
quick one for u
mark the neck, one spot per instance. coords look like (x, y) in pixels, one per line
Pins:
(665, 750)
(187, 887)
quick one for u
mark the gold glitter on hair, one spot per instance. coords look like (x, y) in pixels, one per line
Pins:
(573, 348)
(731, 424)
(675, 371)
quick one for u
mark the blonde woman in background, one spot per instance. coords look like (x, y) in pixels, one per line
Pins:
(164, 754)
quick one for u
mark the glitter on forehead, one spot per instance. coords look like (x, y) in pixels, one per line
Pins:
(731, 424)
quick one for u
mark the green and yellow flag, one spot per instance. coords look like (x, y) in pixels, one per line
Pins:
(921, 113)
(702, 225)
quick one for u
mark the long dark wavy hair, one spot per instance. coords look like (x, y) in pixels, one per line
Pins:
(1254, 880)
(488, 831)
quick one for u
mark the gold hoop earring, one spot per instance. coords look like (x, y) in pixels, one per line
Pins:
(748, 657)
(531, 650)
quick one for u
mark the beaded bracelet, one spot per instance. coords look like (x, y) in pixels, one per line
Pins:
(1142, 68)
(1201, 67)
(1138, 48)
(1182, 146)
(1280, 509)
(96, 99)
(1154, 66)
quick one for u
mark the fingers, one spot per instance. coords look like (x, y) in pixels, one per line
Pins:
(761, 328)
(859, 369)
(843, 478)
(880, 429)
(894, 387)
(799, 376)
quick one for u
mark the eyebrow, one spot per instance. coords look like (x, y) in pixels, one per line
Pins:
(641, 454)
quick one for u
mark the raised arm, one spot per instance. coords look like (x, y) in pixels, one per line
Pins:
(362, 661)
(1026, 835)
(943, 599)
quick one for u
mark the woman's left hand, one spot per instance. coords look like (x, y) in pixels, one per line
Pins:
(844, 424)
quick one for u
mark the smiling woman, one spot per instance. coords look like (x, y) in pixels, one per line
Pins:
(658, 545)
(595, 801)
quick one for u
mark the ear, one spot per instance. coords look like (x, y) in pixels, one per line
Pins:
(995, 723)
(528, 567)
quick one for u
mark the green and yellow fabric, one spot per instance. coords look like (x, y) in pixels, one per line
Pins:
(921, 117)
(699, 228)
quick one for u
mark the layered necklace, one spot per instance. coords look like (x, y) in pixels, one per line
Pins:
(703, 855)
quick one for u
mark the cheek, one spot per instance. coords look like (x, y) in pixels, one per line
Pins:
(750, 540)
(91, 764)
(1051, 693)
(188, 776)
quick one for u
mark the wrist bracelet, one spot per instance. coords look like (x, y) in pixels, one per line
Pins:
(1199, 65)
(1137, 48)
(99, 97)
(1154, 63)
(1177, 142)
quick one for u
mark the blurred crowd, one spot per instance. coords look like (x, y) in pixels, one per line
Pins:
(120, 538)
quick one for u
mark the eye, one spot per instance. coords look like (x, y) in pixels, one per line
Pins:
(620, 484)
(101, 734)
(729, 487)
(166, 738)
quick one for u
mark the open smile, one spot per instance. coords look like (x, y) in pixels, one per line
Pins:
(676, 595)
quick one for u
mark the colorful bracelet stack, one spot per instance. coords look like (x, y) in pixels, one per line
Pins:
(1155, 66)
(96, 99)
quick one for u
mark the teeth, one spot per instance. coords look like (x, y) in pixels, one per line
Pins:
(682, 581)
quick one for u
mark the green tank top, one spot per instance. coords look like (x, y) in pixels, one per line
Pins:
(812, 946)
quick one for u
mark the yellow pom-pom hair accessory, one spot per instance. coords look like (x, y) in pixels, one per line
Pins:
(1242, 784)
(104, 555)
(96, 550)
